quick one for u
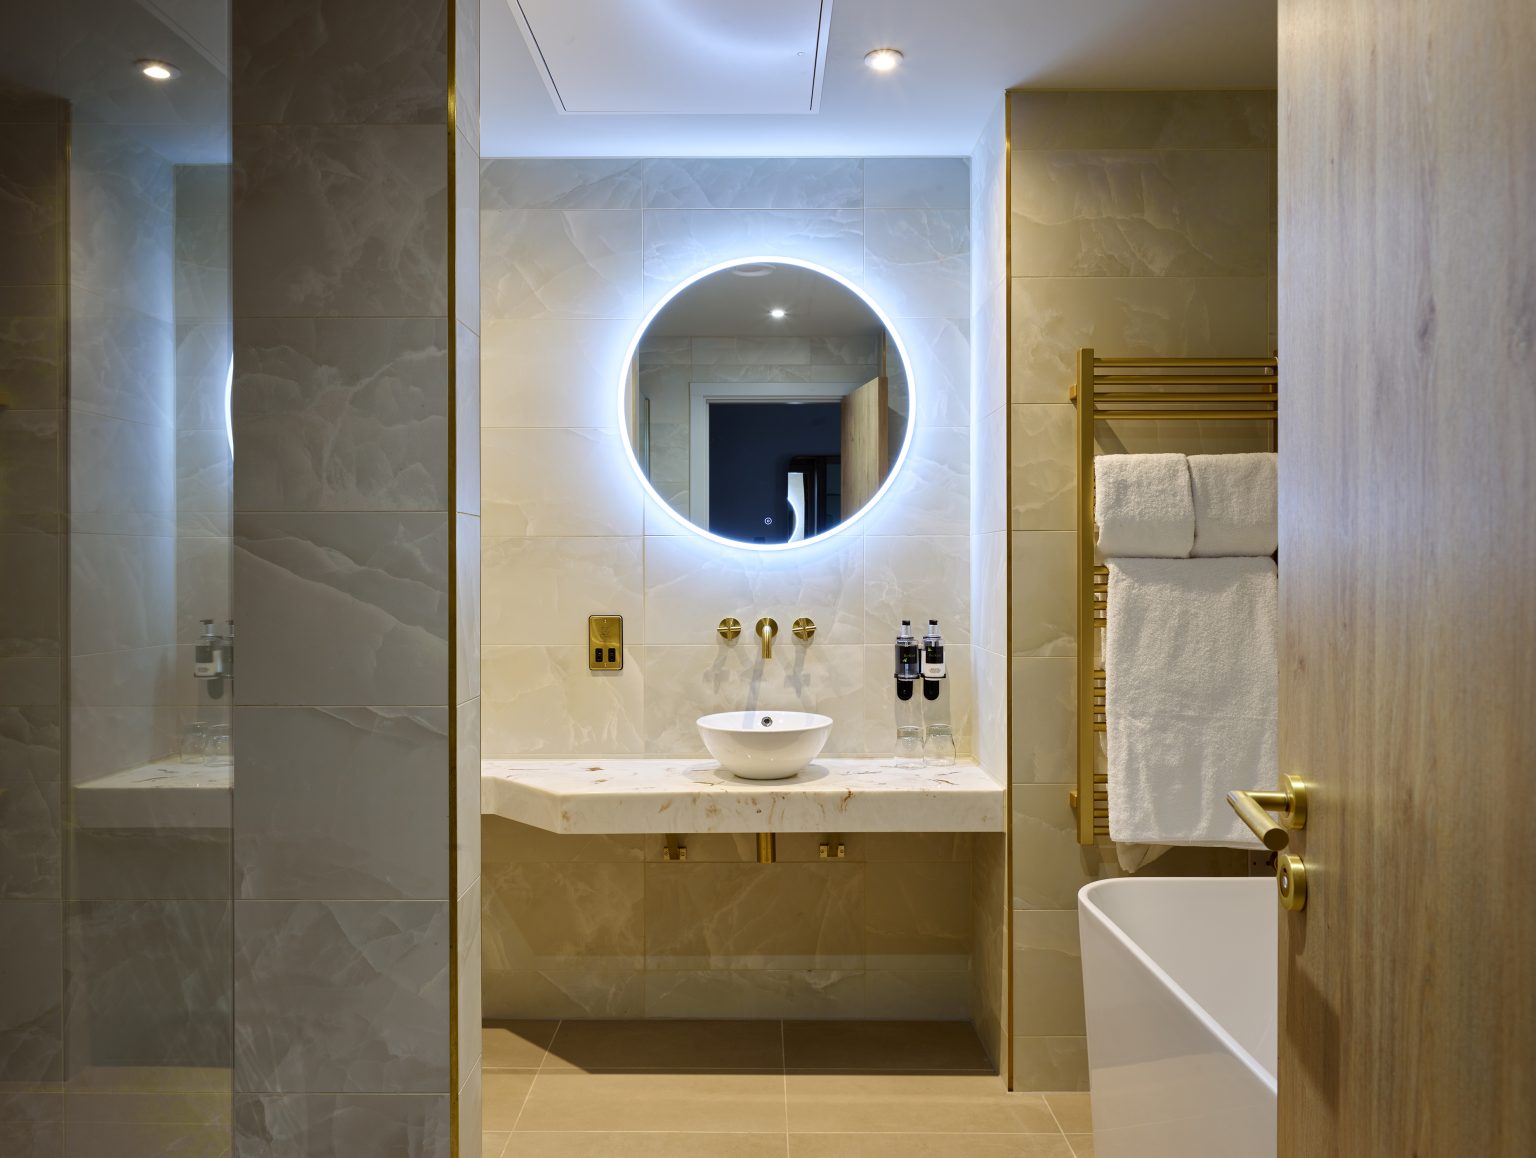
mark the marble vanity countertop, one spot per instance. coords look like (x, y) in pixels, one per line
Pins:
(165, 794)
(694, 795)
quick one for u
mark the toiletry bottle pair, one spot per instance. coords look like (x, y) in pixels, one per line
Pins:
(924, 733)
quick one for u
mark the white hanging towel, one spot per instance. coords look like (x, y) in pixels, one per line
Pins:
(1191, 663)
(1236, 499)
(1143, 505)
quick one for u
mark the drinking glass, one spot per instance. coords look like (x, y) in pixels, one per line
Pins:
(219, 751)
(194, 743)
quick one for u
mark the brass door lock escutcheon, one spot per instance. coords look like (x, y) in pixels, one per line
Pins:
(1291, 879)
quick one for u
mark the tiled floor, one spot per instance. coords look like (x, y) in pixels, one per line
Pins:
(762, 1089)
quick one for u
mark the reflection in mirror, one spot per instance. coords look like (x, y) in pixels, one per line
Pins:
(767, 403)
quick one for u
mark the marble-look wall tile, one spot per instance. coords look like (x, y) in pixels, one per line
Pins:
(466, 78)
(122, 592)
(121, 361)
(917, 994)
(169, 861)
(325, 1125)
(1043, 470)
(122, 477)
(1043, 601)
(917, 183)
(989, 973)
(757, 994)
(686, 682)
(466, 227)
(470, 947)
(940, 350)
(917, 578)
(1144, 213)
(149, 983)
(467, 844)
(570, 263)
(32, 345)
(765, 183)
(1050, 1063)
(340, 62)
(204, 477)
(314, 588)
(583, 992)
(341, 220)
(1131, 120)
(1044, 707)
(32, 1123)
(337, 414)
(540, 591)
(1045, 950)
(917, 261)
(779, 916)
(1049, 866)
(991, 728)
(341, 802)
(342, 996)
(571, 915)
(466, 574)
(466, 432)
(1194, 317)
(931, 495)
(681, 242)
(566, 481)
(202, 368)
(917, 916)
(31, 481)
(562, 183)
(553, 372)
(690, 585)
(544, 701)
(33, 220)
(32, 1000)
(30, 802)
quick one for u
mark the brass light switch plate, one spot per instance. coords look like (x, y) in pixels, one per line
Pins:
(605, 643)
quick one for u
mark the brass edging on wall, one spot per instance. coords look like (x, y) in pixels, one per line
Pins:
(1007, 320)
(451, 257)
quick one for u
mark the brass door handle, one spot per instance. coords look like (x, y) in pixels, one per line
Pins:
(1253, 809)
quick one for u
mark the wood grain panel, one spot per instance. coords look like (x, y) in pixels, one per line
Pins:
(1408, 586)
(866, 443)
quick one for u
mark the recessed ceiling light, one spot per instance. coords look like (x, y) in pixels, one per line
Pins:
(777, 313)
(883, 59)
(752, 270)
(158, 69)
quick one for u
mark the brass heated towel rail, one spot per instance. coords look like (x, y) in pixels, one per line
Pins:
(1139, 390)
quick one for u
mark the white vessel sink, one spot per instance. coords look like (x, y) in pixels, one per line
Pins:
(764, 745)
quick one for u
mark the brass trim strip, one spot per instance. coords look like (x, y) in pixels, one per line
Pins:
(1006, 1013)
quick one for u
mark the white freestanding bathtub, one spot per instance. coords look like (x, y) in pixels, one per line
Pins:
(1180, 985)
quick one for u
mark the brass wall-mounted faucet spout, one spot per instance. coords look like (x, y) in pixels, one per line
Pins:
(766, 629)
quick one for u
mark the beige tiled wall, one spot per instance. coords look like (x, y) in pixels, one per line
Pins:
(1140, 223)
(603, 926)
(575, 252)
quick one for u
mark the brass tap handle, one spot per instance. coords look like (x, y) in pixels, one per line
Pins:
(1253, 809)
(804, 628)
(766, 629)
(730, 627)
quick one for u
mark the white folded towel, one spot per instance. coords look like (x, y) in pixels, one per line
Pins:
(1191, 661)
(1235, 504)
(1143, 505)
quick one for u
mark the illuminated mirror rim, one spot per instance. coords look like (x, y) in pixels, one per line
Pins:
(913, 391)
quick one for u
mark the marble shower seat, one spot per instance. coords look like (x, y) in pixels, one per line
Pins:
(637, 795)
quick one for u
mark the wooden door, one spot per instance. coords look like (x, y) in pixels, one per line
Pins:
(866, 455)
(1407, 178)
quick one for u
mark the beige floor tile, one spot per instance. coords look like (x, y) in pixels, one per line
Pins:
(502, 1093)
(884, 1045)
(928, 1146)
(610, 1145)
(623, 1102)
(515, 1045)
(491, 1145)
(912, 1104)
(1082, 1145)
(667, 1045)
(1074, 1112)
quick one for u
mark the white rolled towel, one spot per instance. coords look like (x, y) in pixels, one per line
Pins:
(1144, 505)
(1236, 498)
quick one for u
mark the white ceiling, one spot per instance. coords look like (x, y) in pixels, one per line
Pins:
(960, 56)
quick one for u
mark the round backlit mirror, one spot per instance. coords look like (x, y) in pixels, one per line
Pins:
(767, 403)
